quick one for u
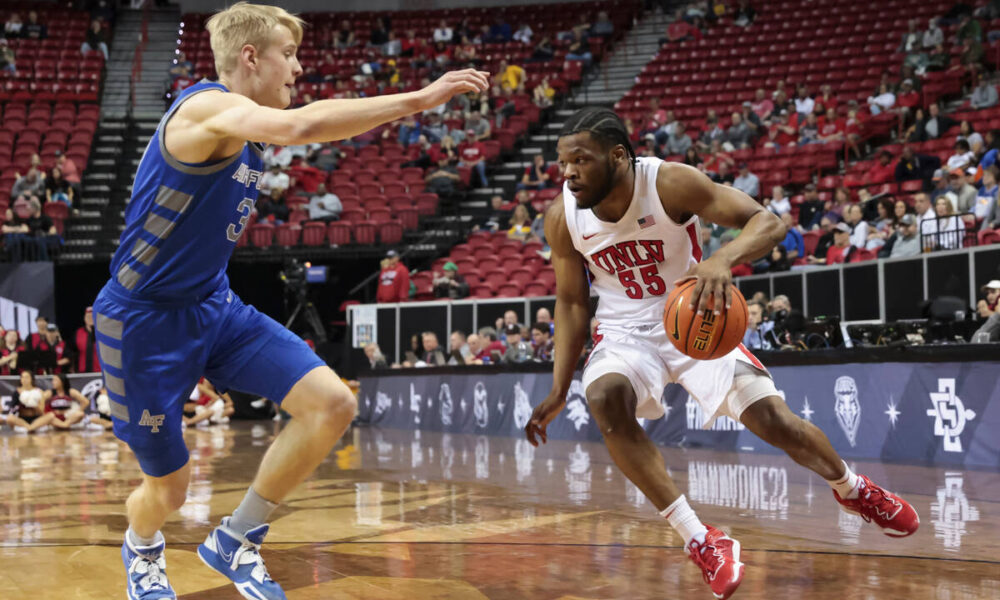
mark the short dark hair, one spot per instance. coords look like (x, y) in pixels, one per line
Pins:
(603, 124)
(543, 327)
(962, 145)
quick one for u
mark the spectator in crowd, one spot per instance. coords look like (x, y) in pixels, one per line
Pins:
(906, 243)
(34, 29)
(985, 94)
(913, 166)
(472, 154)
(324, 205)
(324, 157)
(738, 135)
(936, 124)
(275, 180)
(518, 351)
(57, 189)
(985, 209)
(8, 61)
(376, 360)
(933, 35)
(853, 217)
(887, 221)
(883, 101)
(987, 309)
(64, 406)
(541, 339)
(500, 31)
(544, 94)
(963, 195)
(181, 67)
(12, 28)
(493, 348)
(476, 345)
(535, 177)
(30, 185)
(523, 34)
(811, 209)
(778, 203)
(31, 238)
(28, 405)
(343, 37)
(432, 355)
(913, 39)
(379, 34)
(678, 142)
(747, 182)
(544, 51)
(712, 135)
(824, 242)
(947, 231)
(602, 27)
(762, 106)
(962, 158)
(96, 39)
(809, 131)
(458, 348)
(793, 243)
(520, 224)
(838, 204)
(967, 132)
(393, 280)
(831, 128)
(680, 30)
(35, 339)
(542, 315)
(804, 104)
(52, 354)
(692, 159)
(443, 33)
(907, 99)
(443, 179)
(10, 351)
(841, 250)
(744, 15)
(578, 49)
(968, 29)
(69, 171)
(273, 207)
(883, 171)
(449, 284)
(756, 336)
(937, 59)
(86, 345)
(924, 210)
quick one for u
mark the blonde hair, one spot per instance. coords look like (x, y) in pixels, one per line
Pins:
(244, 23)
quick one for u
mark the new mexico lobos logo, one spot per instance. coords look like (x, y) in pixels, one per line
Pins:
(847, 407)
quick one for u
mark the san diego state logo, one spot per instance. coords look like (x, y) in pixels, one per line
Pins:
(950, 415)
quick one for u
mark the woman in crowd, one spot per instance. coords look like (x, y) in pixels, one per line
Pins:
(947, 231)
(10, 349)
(520, 224)
(968, 133)
(841, 199)
(28, 405)
(102, 417)
(57, 189)
(64, 406)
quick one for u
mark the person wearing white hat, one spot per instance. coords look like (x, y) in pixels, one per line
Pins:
(987, 308)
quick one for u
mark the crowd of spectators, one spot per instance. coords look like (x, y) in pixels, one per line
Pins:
(46, 352)
(28, 230)
(506, 342)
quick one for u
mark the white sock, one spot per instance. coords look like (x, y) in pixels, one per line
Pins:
(684, 520)
(846, 486)
(141, 542)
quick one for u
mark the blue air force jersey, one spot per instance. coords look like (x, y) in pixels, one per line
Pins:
(184, 219)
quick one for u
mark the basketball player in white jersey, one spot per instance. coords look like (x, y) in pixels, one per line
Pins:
(632, 223)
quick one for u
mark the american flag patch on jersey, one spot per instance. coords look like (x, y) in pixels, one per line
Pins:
(646, 221)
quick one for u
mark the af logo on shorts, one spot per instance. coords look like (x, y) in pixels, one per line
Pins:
(950, 415)
(152, 421)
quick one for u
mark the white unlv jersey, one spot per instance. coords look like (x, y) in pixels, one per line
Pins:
(634, 262)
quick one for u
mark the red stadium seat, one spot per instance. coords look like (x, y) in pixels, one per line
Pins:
(262, 235)
(288, 235)
(339, 233)
(390, 232)
(314, 234)
(364, 232)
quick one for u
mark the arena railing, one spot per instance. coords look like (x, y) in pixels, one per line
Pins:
(875, 291)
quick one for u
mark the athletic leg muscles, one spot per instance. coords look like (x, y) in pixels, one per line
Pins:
(322, 407)
(612, 402)
(772, 421)
(152, 502)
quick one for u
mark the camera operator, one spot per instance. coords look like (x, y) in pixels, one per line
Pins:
(788, 324)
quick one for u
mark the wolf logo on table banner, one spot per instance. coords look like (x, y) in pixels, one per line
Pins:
(447, 407)
(480, 406)
(950, 415)
(576, 405)
(847, 407)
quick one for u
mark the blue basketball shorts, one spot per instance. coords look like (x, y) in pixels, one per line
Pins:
(152, 356)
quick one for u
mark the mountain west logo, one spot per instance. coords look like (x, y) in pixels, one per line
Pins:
(576, 406)
(444, 401)
(626, 255)
(950, 415)
(847, 407)
(153, 421)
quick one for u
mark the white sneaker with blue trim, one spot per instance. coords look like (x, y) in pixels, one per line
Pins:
(237, 557)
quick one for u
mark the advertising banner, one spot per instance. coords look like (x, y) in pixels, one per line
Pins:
(26, 290)
(944, 413)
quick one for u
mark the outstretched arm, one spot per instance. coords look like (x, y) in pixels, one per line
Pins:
(685, 191)
(572, 318)
(214, 119)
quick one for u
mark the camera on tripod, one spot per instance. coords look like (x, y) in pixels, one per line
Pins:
(296, 277)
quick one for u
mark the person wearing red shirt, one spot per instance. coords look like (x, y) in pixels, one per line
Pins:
(840, 251)
(883, 171)
(86, 345)
(10, 348)
(472, 154)
(50, 356)
(831, 129)
(35, 339)
(762, 105)
(908, 99)
(393, 281)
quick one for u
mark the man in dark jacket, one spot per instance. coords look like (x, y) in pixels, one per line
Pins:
(916, 166)
(450, 284)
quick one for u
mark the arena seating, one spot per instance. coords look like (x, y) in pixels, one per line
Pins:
(380, 197)
(51, 103)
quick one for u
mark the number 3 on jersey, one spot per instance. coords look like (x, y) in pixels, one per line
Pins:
(235, 230)
(650, 275)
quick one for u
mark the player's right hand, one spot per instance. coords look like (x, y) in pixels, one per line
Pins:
(543, 414)
(452, 84)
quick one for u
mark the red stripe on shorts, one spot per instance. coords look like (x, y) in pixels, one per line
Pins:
(753, 359)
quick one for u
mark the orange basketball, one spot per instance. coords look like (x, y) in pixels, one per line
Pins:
(706, 335)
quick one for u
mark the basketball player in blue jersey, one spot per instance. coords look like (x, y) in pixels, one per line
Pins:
(167, 315)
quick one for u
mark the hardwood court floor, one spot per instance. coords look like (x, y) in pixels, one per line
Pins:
(399, 515)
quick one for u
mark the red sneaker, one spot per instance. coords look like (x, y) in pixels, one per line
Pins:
(891, 513)
(719, 561)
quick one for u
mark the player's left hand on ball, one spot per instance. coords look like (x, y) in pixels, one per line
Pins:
(712, 279)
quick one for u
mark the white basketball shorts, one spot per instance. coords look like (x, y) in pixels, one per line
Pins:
(723, 387)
